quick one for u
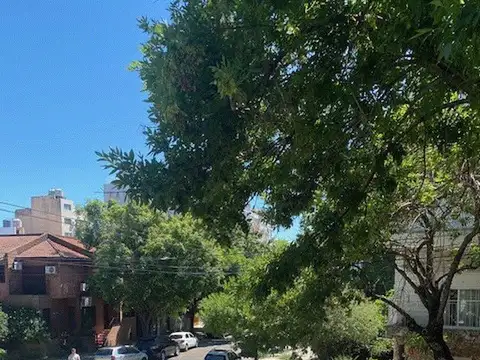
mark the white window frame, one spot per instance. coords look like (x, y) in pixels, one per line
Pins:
(68, 221)
(462, 302)
(67, 207)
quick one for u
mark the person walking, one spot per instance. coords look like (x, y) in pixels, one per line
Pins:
(74, 355)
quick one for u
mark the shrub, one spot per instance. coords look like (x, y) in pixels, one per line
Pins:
(416, 348)
(382, 348)
(343, 357)
(3, 326)
(348, 330)
(25, 325)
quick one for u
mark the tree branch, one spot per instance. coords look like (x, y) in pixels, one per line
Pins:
(418, 290)
(454, 266)
(410, 321)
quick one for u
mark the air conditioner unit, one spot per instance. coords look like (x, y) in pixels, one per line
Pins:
(83, 287)
(86, 301)
(50, 270)
(17, 265)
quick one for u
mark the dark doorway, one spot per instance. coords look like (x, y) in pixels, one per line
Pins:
(88, 320)
(71, 319)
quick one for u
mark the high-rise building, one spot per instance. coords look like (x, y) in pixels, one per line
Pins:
(258, 224)
(111, 192)
(51, 213)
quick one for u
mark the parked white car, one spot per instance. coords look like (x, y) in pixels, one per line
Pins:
(185, 340)
(120, 353)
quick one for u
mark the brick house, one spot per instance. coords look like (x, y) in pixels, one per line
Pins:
(49, 273)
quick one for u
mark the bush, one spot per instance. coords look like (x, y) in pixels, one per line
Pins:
(343, 357)
(348, 330)
(3, 327)
(416, 348)
(382, 348)
(25, 325)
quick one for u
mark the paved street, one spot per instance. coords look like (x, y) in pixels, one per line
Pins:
(197, 353)
(192, 354)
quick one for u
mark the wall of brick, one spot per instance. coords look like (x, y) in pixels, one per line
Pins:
(66, 282)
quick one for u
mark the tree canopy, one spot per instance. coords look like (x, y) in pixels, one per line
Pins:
(340, 326)
(149, 262)
(342, 110)
(287, 101)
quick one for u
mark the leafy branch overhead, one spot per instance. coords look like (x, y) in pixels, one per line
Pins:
(361, 116)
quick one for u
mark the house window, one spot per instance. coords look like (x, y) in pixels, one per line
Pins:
(33, 280)
(68, 221)
(463, 309)
(67, 207)
(69, 234)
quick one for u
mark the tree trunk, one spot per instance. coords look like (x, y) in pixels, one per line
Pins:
(398, 349)
(145, 322)
(192, 310)
(439, 347)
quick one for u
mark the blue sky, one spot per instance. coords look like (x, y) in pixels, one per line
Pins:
(66, 92)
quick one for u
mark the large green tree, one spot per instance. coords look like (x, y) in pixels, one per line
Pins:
(323, 107)
(154, 264)
(341, 326)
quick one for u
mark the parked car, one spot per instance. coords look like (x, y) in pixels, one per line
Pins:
(185, 340)
(120, 353)
(221, 354)
(158, 348)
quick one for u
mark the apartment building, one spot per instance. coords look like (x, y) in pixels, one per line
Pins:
(52, 213)
(111, 192)
(258, 224)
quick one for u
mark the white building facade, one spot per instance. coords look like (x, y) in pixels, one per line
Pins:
(11, 227)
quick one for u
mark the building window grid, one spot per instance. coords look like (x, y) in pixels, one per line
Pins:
(463, 309)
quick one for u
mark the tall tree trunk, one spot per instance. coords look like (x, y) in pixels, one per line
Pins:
(437, 344)
(192, 310)
(145, 322)
(398, 348)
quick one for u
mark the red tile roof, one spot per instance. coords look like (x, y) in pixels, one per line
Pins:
(73, 241)
(50, 249)
(51, 246)
(11, 242)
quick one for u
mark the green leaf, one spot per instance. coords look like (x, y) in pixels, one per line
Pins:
(421, 32)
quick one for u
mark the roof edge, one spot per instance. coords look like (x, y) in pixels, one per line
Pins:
(69, 245)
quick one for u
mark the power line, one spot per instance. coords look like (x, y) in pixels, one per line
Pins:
(125, 268)
(28, 208)
(43, 218)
